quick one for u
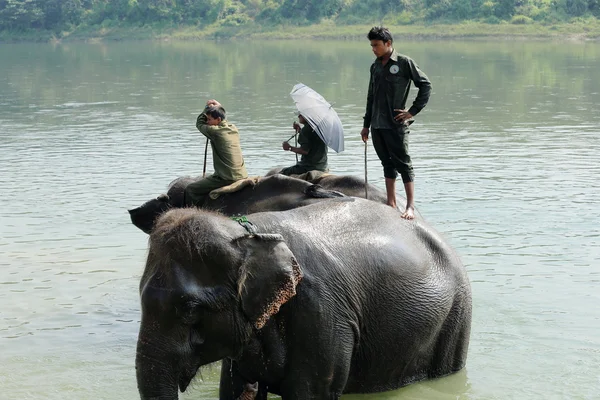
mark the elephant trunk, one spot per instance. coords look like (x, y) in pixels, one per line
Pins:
(156, 380)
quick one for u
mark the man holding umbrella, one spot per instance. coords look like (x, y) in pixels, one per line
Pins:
(322, 129)
(312, 149)
(387, 116)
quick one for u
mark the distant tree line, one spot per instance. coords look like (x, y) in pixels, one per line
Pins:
(58, 15)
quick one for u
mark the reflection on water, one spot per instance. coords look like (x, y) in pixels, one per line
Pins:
(507, 164)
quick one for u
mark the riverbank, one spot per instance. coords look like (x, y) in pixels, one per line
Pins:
(578, 31)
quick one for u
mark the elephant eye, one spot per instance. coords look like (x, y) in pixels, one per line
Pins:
(191, 312)
(195, 338)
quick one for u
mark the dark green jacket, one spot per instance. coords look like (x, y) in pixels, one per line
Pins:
(310, 141)
(228, 161)
(389, 86)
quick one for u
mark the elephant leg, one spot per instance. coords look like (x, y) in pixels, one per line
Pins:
(262, 393)
(233, 387)
(323, 373)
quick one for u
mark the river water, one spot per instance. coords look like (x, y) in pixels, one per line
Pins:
(507, 166)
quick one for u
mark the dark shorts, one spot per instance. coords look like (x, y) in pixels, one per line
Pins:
(391, 146)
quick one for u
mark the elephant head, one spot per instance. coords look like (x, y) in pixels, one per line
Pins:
(207, 284)
(145, 215)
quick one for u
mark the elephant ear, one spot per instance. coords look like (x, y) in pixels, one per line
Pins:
(268, 277)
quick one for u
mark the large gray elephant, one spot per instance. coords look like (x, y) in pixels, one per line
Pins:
(272, 193)
(341, 296)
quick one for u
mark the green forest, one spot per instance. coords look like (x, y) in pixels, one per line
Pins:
(61, 17)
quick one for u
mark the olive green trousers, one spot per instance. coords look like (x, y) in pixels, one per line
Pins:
(197, 192)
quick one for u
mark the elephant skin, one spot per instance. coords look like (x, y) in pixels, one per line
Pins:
(340, 296)
(272, 193)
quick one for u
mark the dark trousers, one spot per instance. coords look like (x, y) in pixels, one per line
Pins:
(300, 169)
(294, 170)
(391, 146)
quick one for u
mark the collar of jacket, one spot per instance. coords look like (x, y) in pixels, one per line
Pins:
(393, 56)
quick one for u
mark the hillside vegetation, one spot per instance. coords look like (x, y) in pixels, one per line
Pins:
(189, 19)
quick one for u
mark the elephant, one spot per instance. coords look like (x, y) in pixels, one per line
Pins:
(340, 296)
(272, 193)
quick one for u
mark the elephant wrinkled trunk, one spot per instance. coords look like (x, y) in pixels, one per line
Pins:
(155, 380)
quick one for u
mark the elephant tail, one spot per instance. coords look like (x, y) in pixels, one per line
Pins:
(318, 192)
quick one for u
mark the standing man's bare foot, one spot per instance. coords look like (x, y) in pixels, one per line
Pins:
(393, 205)
(409, 213)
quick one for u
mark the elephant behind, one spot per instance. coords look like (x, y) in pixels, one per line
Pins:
(341, 296)
(272, 193)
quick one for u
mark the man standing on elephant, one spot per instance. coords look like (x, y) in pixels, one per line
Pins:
(387, 116)
(228, 162)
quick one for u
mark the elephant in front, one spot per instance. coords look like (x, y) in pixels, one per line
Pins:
(271, 193)
(340, 296)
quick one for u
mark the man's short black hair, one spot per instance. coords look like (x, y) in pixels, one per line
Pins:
(215, 112)
(380, 33)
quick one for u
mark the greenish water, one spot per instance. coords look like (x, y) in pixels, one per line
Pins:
(506, 157)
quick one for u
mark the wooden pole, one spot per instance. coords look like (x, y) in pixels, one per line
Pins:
(205, 155)
(366, 180)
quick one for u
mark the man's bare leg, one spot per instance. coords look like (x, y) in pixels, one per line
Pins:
(409, 213)
(390, 188)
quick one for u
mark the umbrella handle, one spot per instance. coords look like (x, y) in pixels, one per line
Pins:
(366, 179)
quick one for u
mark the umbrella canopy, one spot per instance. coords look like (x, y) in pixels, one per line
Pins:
(320, 115)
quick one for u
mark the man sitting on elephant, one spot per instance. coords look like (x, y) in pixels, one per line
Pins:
(312, 148)
(228, 161)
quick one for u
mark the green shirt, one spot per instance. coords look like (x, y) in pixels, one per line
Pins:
(228, 161)
(310, 141)
(389, 86)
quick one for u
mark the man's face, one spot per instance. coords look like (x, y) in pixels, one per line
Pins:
(212, 121)
(381, 48)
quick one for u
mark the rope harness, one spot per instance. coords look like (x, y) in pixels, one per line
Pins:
(243, 221)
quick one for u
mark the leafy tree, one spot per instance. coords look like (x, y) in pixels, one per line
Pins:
(120, 10)
(20, 14)
(72, 11)
(435, 9)
(310, 10)
(577, 7)
(462, 9)
(594, 7)
(155, 10)
(52, 14)
(505, 9)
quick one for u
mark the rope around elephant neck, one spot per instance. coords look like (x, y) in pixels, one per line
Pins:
(243, 221)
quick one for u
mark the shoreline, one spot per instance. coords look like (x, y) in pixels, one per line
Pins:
(570, 32)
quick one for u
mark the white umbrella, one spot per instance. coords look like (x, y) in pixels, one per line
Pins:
(320, 115)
